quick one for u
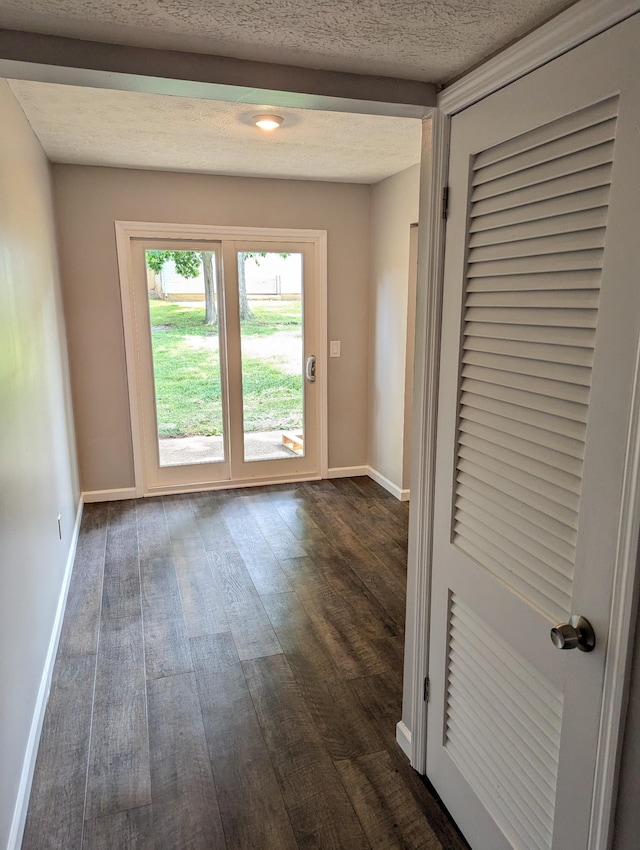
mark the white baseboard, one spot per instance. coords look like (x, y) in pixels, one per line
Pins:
(109, 495)
(24, 789)
(403, 739)
(347, 471)
(335, 472)
(379, 478)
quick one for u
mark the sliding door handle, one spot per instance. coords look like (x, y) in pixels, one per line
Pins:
(310, 368)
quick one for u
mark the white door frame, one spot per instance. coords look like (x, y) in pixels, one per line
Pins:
(576, 25)
(128, 230)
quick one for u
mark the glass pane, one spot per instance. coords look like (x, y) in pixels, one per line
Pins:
(183, 298)
(272, 355)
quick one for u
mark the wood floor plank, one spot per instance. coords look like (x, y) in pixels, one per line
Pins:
(121, 560)
(321, 814)
(373, 512)
(209, 516)
(377, 597)
(283, 542)
(118, 771)
(185, 806)
(121, 597)
(381, 697)
(202, 604)
(303, 680)
(248, 621)
(181, 519)
(79, 633)
(165, 634)
(56, 806)
(239, 522)
(153, 532)
(373, 491)
(130, 830)
(387, 810)
(346, 728)
(335, 623)
(263, 567)
(391, 651)
(241, 764)
(359, 547)
(291, 507)
(259, 551)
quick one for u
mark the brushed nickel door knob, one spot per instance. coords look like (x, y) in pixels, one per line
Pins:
(576, 634)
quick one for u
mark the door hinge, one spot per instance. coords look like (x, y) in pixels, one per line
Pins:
(426, 689)
(445, 202)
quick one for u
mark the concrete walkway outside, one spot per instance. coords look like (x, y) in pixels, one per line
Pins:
(182, 451)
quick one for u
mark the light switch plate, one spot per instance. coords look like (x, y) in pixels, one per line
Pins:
(334, 348)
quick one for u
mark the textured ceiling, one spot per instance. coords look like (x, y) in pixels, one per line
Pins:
(132, 130)
(429, 40)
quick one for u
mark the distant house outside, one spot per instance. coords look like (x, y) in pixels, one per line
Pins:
(270, 277)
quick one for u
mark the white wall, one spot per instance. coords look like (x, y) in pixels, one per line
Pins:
(38, 479)
(394, 207)
(89, 200)
(411, 647)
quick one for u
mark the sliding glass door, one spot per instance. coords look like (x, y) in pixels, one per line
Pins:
(226, 340)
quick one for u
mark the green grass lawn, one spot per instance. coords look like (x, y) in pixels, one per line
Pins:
(187, 371)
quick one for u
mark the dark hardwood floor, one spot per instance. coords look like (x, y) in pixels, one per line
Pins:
(229, 675)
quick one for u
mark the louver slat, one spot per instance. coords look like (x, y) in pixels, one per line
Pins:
(552, 262)
(545, 135)
(512, 764)
(536, 298)
(500, 437)
(537, 232)
(555, 169)
(541, 584)
(516, 754)
(575, 336)
(545, 244)
(554, 424)
(552, 189)
(544, 316)
(525, 739)
(567, 373)
(554, 405)
(514, 490)
(545, 353)
(576, 222)
(588, 199)
(588, 137)
(526, 811)
(530, 383)
(529, 432)
(520, 533)
(533, 466)
(551, 534)
(570, 279)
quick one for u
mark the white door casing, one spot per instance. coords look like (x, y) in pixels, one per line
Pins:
(533, 440)
(149, 477)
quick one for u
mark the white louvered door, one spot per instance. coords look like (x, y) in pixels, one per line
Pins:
(541, 320)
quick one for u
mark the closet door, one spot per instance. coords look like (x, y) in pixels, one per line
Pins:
(541, 320)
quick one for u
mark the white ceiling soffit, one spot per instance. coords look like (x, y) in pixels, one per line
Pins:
(428, 40)
(134, 130)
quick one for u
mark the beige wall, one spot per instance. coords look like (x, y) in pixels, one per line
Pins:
(394, 207)
(89, 200)
(38, 478)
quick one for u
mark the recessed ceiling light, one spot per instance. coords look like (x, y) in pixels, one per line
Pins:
(268, 122)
